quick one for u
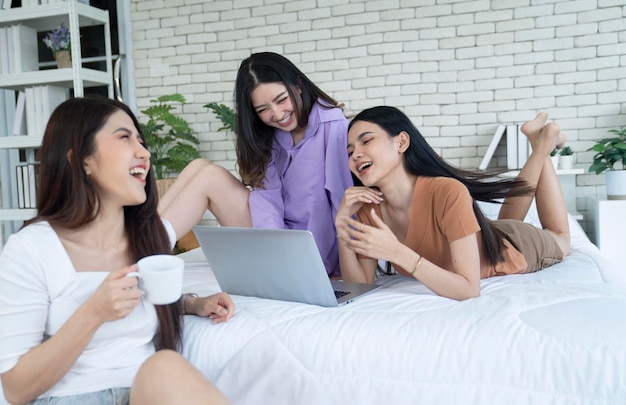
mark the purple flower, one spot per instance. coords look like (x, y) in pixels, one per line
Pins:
(58, 39)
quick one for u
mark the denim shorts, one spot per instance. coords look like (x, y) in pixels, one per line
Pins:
(110, 396)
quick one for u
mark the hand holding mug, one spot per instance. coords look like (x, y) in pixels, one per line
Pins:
(160, 278)
(116, 296)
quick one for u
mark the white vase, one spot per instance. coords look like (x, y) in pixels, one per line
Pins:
(555, 161)
(566, 162)
(616, 184)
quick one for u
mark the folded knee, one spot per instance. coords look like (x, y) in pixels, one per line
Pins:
(159, 365)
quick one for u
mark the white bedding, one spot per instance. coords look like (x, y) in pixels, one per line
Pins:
(554, 337)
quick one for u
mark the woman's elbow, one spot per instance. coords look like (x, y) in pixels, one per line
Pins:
(472, 291)
(469, 295)
(14, 397)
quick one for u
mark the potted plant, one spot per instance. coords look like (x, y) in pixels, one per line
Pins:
(173, 145)
(172, 142)
(225, 114)
(58, 40)
(610, 157)
(554, 156)
(566, 158)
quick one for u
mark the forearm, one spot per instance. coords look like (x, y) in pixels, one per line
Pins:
(441, 281)
(353, 269)
(45, 365)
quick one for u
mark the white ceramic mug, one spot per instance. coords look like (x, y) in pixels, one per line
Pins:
(160, 278)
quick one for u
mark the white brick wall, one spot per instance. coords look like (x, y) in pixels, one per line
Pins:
(458, 68)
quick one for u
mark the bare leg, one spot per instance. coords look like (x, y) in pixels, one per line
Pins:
(167, 378)
(184, 177)
(204, 185)
(539, 172)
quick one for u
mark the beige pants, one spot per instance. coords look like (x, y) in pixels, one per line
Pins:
(538, 246)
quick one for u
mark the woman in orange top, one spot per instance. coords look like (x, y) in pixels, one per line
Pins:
(420, 213)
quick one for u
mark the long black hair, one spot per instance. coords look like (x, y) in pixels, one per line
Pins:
(421, 160)
(253, 144)
(67, 197)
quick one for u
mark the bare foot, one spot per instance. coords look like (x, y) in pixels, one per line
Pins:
(533, 128)
(549, 138)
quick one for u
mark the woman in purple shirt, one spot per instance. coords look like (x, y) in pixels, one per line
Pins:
(290, 146)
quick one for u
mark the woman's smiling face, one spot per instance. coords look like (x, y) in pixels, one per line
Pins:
(119, 166)
(274, 107)
(372, 152)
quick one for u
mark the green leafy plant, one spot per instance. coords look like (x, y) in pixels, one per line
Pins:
(566, 151)
(172, 142)
(554, 152)
(225, 114)
(609, 152)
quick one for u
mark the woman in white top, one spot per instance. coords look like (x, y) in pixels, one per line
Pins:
(74, 328)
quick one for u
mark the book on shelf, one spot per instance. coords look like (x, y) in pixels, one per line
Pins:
(523, 148)
(40, 102)
(27, 176)
(4, 51)
(26, 188)
(19, 121)
(10, 50)
(51, 97)
(26, 57)
(511, 147)
(31, 119)
(497, 136)
(18, 49)
(20, 186)
(33, 179)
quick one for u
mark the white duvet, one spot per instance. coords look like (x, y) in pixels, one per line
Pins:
(554, 337)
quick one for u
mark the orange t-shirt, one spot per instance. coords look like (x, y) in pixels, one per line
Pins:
(441, 212)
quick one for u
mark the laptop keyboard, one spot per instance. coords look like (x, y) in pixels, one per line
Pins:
(339, 294)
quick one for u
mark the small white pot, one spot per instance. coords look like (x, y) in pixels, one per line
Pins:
(616, 184)
(555, 161)
(566, 162)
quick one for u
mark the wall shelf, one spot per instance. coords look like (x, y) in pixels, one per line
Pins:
(43, 18)
(59, 77)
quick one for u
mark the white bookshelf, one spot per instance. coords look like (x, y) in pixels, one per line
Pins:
(610, 224)
(44, 18)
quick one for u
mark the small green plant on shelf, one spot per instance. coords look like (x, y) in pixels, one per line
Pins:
(566, 151)
(554, 152)
(172, 142)
(610, 152)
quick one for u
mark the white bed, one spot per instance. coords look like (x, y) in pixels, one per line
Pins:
(554, 337)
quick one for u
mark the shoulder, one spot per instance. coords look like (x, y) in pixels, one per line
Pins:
(327, 113)
(443, 186)
(443, 194)
(171, 233)
(32, 248)
(35, 232)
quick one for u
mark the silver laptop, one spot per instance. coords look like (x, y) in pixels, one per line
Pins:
(279, 264)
